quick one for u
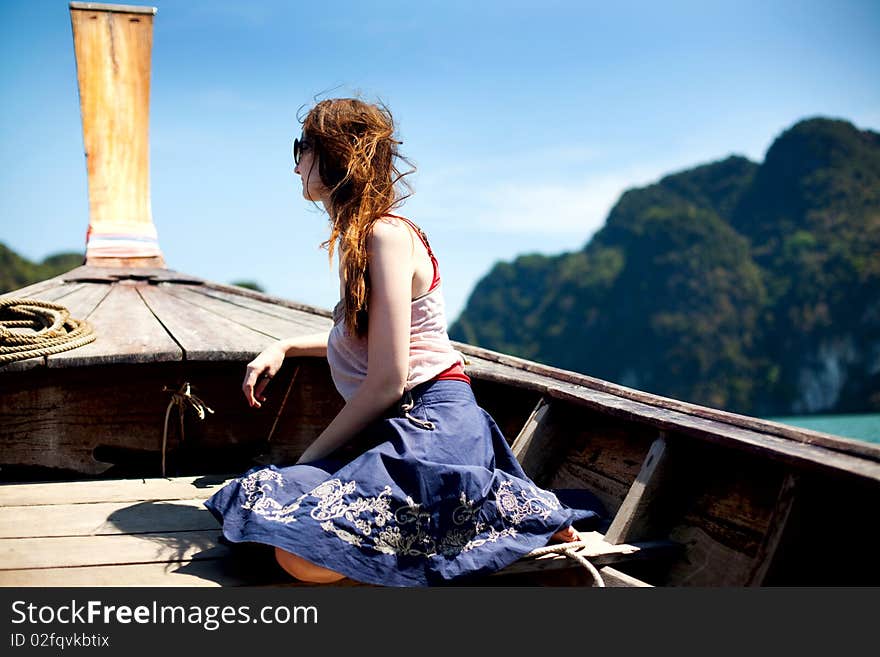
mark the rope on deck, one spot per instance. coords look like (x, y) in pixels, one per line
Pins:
(570, 550)
(56, 330)
(180, 399)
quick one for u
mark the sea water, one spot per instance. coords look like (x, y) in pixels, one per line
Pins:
(862, 426)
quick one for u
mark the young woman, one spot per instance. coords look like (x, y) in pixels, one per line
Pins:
(412, 483)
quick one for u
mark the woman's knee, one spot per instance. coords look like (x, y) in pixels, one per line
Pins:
(304, 570)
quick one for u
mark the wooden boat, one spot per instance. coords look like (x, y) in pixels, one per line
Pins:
(108, 449)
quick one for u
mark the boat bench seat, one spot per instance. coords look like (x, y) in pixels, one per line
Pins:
(594, 548)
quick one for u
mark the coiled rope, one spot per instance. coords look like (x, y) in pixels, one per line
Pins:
(56, 330)
(570, 550)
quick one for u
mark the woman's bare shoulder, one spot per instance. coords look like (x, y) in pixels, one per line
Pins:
(390, 232)
(391, 222)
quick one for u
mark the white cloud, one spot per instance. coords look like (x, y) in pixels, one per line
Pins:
(579, 207)
(510, 202)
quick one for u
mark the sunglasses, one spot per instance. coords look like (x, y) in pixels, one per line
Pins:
(299, 146)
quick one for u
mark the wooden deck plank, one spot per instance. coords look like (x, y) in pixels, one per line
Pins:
(101, 518)
(75, 538)
(201, 573)
(127, 331)
(310, 322)
(57, 291)
(205, 335)
(81, 299)
(158, 534)
(110, 274)
(112, 490)
(256, 320)
(160, 548)
(597, 551)
(110, 549)
(204, 572)
(269, 298)
(35, 290)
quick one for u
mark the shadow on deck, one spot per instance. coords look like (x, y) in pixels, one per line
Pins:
(156, 532)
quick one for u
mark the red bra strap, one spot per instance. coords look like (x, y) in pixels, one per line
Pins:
(418, 232)
(436, 278)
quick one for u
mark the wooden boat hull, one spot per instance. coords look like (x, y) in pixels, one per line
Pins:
(744, 501)
(694, 496)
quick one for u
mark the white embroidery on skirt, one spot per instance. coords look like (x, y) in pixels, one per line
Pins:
(348, 537)
(258, 486)
(407, 530)
(516, 511)
(410, 535)
(331, 504)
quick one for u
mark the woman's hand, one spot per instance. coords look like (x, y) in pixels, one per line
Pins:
(260, 371)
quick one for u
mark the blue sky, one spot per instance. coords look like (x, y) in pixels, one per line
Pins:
(526, 120)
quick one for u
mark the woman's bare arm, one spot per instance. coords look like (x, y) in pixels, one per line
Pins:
(391, 271)
(314, 344)
(262, 368)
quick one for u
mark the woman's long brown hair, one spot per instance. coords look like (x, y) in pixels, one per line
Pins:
(357, 156)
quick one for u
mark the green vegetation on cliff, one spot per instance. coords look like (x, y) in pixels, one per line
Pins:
(17, 272)
(753, 288)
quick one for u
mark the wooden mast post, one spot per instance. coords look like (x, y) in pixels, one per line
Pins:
(113, 46)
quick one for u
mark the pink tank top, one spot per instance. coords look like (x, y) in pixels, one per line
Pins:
(431, 354)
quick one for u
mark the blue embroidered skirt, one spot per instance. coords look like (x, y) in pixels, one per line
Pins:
(425, 495)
